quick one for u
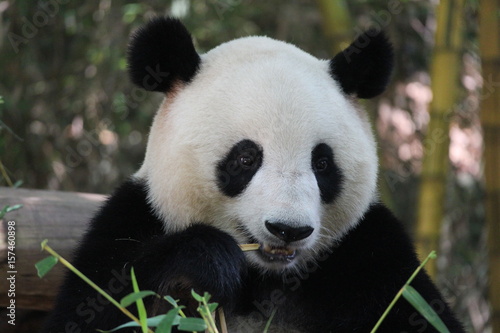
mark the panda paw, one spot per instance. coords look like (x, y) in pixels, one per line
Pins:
(200, 258)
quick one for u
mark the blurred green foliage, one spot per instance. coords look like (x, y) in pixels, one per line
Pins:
(71, 118)
(75, 120)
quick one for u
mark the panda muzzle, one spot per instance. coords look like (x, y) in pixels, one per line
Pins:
(288, 234)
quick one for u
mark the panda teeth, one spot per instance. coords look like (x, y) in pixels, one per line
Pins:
(281, 251)
(278, 250)
(267, 248)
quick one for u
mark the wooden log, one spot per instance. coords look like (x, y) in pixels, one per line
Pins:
(60, 217)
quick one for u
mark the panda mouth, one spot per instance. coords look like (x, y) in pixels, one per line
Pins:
(277, 253)
(271, 253)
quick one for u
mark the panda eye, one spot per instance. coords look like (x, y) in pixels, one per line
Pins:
(237, 168)
(246, 160)
(321, 164)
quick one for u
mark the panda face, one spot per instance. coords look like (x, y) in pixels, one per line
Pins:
(265, 144)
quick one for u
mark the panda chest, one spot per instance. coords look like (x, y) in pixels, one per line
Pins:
(257, 323)
(276, 303)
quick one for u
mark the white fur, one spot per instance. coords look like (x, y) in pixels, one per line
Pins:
(283, 99)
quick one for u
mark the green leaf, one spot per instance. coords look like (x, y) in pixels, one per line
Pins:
(15, 207)
(133, 297)
(207, 296)
(143, 317)
(419, 303)
(192, 324)
(212, 307)
(18, 184)
(45, 265)
(151, 322)
(431, 255)
(8, 208)
(171, 301)
(171, 319)
(196, 296)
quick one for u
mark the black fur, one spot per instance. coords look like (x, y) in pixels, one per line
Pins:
(239, 166)
(126, 233)
(364, 67)
(160, 53)
(346, 291)
(330, 177)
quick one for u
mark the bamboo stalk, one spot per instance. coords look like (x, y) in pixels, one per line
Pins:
(337, 25)
(431, 255)
(249, 247)
(444, 76)
(489, 43)
(222, 319)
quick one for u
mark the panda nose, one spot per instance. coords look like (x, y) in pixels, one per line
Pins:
(287, 233)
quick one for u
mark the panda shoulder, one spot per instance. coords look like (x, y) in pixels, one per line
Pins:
(380, 238)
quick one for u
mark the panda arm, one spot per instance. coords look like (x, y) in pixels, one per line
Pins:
(361, 276)
(126, 233)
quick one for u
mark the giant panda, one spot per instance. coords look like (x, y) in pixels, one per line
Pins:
(256, 141)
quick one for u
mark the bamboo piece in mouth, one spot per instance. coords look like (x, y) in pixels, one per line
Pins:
(249, 247)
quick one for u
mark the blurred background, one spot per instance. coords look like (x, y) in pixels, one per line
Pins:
(70, 120)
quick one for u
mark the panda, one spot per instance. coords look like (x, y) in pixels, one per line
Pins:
(258, 142)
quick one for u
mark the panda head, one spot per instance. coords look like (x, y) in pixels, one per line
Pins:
(260, 139)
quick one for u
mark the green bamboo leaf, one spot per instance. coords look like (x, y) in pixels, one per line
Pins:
(143, 317)
(212, 307)
(171, 301)
(151, 322)
(18, 184)
(133, 297)
(192, 324)
(431, 255)
(196, 296)
(45, 265)
(12, 208)
(207, 296)
(171, 319)
(6, 209)
(420, 304)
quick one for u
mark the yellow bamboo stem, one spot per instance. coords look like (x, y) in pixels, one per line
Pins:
(249, 247)
(489, 42)
(444, 76)
(222, 319)
(337, 25)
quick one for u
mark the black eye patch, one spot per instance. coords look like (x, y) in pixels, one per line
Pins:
(237, 169)
(328, 174)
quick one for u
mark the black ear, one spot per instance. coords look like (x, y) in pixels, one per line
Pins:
(365, 66)
(161, 53)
